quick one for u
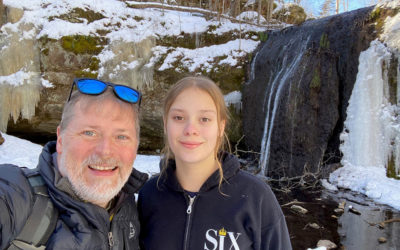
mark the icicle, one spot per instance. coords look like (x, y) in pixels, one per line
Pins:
(234, 98)
(372, 124)
(128, 63)
(18, 100)
(20, 80)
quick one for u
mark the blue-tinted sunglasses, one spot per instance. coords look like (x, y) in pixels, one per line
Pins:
(90, 86)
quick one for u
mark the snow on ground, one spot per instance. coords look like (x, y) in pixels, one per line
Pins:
(19, 151)
(371, 181)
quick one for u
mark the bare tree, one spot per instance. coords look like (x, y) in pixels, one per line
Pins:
(270, 9)
(1, 12)
(259, 11)
(327, 7)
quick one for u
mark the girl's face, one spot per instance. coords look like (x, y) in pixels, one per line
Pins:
(192, 127)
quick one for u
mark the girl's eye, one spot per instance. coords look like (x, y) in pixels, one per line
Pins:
(178, 118)
(89, 133)
(205, 119)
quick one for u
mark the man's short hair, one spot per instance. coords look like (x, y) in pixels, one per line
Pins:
(69, 107)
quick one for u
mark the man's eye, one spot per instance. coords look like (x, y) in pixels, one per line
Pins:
(89, 133)
(122, 137)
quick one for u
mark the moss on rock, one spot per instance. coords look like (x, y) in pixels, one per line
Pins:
(192, 41)
(293, 14)
(324, 41)
(316, 80)
(77, 15)
(79, 44)
(391, 169)
(379, 15)
(85, 74)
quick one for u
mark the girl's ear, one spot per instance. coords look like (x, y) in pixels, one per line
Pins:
(222, 127)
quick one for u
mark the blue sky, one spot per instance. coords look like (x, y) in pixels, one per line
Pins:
(314, 6)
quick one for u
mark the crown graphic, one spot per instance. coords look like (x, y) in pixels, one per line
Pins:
(222, 232)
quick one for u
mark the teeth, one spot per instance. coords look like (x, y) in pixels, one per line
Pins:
(101, 168)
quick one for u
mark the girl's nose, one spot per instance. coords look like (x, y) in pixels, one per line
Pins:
(191, 129)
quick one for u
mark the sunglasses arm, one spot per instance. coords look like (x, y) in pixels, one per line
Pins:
(70, 92)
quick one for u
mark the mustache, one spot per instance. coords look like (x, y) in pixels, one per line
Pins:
(100, 161)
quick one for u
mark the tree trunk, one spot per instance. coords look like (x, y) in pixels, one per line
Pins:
(1, 12)
(270, 7)
(337, 6)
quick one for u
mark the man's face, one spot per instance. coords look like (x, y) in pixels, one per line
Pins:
(97, 149)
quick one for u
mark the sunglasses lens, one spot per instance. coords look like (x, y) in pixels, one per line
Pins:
(91, 87)
(127, 94)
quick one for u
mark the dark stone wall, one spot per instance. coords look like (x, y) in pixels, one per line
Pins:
(300, 82)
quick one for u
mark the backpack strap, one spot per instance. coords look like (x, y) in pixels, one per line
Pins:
(42, 220)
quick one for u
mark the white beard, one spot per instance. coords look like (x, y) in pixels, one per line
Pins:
(100, 192)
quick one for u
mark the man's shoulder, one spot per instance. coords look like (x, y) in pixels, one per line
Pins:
(12, 173)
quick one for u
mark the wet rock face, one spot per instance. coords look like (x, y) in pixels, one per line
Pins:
(300, 83)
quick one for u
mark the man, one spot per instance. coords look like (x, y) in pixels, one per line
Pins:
(87, 171)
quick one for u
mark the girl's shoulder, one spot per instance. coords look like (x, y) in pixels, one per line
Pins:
(246, 177)
(150, 184)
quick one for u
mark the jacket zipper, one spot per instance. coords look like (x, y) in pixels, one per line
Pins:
(110, 240)
(188, 221)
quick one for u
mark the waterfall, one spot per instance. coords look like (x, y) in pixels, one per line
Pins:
(252, 70)
(398, 80)
(372, 128)
(277, 84)
(197, 39)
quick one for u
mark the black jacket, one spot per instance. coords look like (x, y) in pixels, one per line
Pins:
(80, 225)
(244, 214)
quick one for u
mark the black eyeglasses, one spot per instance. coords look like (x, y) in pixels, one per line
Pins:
(90, 86)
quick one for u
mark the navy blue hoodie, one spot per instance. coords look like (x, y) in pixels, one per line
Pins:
(243, 214)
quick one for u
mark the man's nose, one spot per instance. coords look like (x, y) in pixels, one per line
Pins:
(104, 146)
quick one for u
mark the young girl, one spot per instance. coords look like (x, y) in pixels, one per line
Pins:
(201, 199)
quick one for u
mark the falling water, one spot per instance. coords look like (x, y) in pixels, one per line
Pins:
(372, 128)
(277, 84)
(197, 39)
(252, 71)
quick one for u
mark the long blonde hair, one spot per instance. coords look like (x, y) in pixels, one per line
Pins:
(208, 86)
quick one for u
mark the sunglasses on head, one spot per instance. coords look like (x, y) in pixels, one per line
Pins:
(90, 86)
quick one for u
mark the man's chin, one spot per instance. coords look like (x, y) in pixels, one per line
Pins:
(99, 193)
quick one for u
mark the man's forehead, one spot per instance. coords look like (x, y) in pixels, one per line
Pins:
(99, 105)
